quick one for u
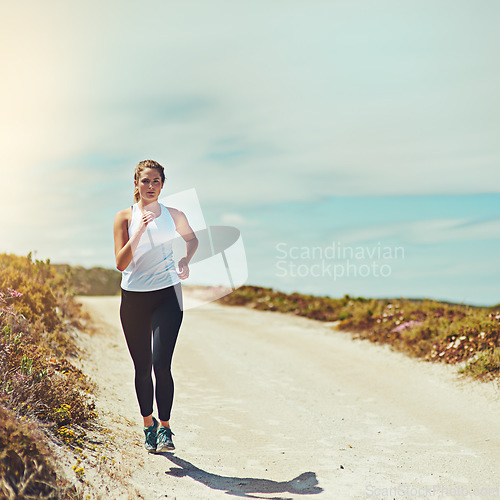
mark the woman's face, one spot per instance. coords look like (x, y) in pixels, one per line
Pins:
(149, 185)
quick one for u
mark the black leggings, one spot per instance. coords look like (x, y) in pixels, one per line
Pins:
(158, 313)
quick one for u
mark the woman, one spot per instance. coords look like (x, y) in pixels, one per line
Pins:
(151, 295)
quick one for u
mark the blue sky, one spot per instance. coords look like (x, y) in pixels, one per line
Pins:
(302, 123)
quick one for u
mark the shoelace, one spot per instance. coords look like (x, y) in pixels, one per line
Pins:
(164, 434)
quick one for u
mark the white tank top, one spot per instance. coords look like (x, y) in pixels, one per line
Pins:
(152, 267)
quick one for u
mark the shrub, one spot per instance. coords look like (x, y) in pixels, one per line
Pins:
(38, 317)
(35, 338)
(37, 384)
(26, 464)
(486, 365)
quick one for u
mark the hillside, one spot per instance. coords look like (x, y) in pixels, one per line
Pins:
(91, 281)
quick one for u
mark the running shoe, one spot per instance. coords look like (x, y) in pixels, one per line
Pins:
(150, 432)
(164, 440)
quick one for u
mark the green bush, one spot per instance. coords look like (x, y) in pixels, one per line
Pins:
(485, 366)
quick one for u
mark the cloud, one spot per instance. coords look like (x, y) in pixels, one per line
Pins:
(453, 230)
(370, 106)
(425, 232)
(235, 219)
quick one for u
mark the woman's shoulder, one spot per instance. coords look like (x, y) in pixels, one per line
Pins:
(124, 215)
(174, 212)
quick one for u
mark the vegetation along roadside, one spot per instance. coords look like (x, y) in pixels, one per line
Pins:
(45, 400)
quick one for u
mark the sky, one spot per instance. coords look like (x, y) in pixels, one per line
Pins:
(369, 126)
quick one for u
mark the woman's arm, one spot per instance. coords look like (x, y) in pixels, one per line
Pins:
(184, 229)
(125, 246)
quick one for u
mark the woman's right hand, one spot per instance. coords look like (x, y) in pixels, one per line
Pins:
(146, 218)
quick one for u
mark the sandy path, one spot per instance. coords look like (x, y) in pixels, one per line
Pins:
(275, 406)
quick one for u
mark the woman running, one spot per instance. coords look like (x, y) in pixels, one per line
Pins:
(151, 295)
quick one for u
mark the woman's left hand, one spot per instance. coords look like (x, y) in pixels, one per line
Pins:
(183, 269)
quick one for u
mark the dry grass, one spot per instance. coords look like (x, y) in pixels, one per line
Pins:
(27, 468)
(37, 325)
(38, 382)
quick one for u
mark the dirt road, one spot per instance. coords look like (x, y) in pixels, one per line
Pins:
(275, 406)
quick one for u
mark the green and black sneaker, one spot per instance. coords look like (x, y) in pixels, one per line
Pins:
(150, 432)
(164, 440)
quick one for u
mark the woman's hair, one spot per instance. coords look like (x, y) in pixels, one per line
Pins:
(142, 166)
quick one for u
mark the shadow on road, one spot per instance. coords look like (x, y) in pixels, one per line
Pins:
(305, 484)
